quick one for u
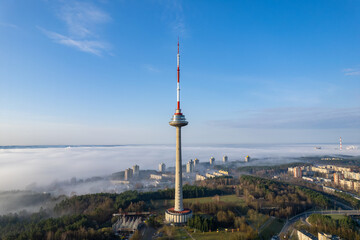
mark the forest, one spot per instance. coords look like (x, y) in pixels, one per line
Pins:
(86, 216)
(254, 199)
(344, 227)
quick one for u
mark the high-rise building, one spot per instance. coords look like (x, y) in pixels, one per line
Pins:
(225, 159)
(337, 178)
(196, 162)
(136, 170)
(190, 166)
(162, 167)
(212, 161)
(128, 174)
(178, 214)
(297, 172)
(247, 158)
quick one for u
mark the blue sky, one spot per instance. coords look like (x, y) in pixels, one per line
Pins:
(104, 72)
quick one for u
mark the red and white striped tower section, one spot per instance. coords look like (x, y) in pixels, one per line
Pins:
(340, 144)
(178, 214)
(178, 111)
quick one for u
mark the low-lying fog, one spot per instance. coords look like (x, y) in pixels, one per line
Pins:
(21, 167)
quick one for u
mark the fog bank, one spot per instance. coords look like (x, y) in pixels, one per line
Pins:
(23, 166)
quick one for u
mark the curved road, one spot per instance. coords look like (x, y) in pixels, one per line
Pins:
(306, 214)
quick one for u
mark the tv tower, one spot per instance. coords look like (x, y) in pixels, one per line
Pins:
(178, 214)
(340, 143)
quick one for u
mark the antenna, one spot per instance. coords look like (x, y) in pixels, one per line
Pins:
(340, 144)
(178, 111)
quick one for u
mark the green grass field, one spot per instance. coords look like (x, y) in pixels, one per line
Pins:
(180, 233)
(162, 205)
(214, 235)
(336, 216)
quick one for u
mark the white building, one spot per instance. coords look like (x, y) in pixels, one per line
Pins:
(162, 167)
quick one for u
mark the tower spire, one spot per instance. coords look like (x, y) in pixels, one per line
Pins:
(178, 111)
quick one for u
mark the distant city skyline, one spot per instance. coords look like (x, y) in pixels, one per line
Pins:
(104, 72)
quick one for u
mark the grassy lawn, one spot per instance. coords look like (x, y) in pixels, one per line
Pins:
(226, 198)
(273, 228)
(162, 205)
(336, 216)
(180, 233)
(214, 235)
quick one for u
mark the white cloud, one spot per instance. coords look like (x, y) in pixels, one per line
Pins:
(351, 72)
(82, 21)
(296, 118)
(2, 24)
(174, 15)
(151, 68)
(82, 18)
(90, 46)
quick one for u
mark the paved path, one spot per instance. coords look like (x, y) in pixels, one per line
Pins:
(147, 233)
(189, 234)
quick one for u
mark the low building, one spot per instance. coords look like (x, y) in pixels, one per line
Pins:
(224, 172)
(209, 175)
(324, 236)
(127, 224)
(168, 175)
(348, 184)
(218, 174)
(357, 186)
(329, 189)
(304, 235)
(155, 176)
(351, 175)
(308, 179)
(199, 177)
(320, 169)
(338, 168)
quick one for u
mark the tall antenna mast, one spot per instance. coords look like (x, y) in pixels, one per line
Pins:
(178, 111)
(340, 144)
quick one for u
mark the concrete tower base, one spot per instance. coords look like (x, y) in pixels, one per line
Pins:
(173, 216)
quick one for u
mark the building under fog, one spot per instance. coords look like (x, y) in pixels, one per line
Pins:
(225, 159)
(162, 167)
(190, 166)
(196, 162)
(136, 170)
(128, 174)
(212, 161)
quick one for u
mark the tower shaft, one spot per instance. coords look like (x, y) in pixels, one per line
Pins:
(178, 173)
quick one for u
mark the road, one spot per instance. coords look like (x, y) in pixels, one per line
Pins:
(306, 214)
